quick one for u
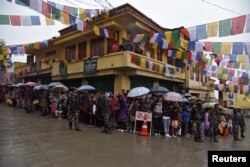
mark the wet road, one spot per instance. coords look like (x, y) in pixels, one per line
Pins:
(29, 140)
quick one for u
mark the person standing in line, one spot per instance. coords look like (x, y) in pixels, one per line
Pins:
(236, 122)
(214, 119)
(242, 124)
(166, 117)
(196, 118)
(43, 103)
(74, 109)
(185, 120)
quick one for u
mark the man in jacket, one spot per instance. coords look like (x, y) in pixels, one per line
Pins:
(196, 118)
(74, 108)
(213, 118)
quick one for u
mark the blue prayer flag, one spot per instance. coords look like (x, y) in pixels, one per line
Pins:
(237, 48)
(35, 20)
(201, 32)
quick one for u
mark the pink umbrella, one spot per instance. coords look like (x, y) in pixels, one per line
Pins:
(31, 84)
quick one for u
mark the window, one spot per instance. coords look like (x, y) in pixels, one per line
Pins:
(97, 47)
(70, 53)
(82, 50)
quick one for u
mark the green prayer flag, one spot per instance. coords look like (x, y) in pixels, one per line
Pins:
(4, 20)
(236, 65)
(225, 71)
(216, 47)
(138, 60)
(183, 55)
(225, 28)
(74, 11)
(56, 14)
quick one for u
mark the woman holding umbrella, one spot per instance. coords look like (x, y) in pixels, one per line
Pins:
(43, 103)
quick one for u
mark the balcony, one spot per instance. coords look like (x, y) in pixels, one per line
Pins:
(113, 64)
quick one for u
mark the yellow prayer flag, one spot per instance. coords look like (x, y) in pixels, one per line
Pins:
(224, 77)
(143, 63)
(155, 45)
(242, 58)
(212, 29)
(96, 30)
(140, 37)
(231, 88)
(5, 50)
(184, 43)
(204, 56)
(168, 36)
(1, 57)
(37, 45)
(82, 13)
(49, 21)
(178, 54)
(219, 70)
(64, 18)
(226, 47)
(243, 66)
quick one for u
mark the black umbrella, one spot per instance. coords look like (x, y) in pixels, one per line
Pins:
(159, 89)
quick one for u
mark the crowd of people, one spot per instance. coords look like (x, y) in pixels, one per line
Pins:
(103, 109)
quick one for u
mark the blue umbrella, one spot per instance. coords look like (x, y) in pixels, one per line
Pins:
(86, 88)
(159, 89)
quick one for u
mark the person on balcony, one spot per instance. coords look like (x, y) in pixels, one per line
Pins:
(126, 46)
(138, 49)
(115, 47)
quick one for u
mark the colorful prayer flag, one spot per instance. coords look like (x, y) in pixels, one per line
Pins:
(225, 28)
(36, 5)
(247, 29)
(46, 9)
(4, 20)
(233, 57)
(15, 20)
(35, 20)
(208, 46)
(238, 24)
(247, 48)
(212, 29)
(237, 48)
(49, 21)
(226, 48)
(192, 33)
(216, 47)
(199, 46)
(201, 32)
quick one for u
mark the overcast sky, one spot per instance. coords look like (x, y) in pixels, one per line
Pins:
(167, 13)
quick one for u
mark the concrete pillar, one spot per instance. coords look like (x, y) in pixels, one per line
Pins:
(122, 34)
(121, 82)
(105, 46)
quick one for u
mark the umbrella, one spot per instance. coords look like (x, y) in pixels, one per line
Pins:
(31, 84)
(159, 89)
(86, 88)
(41, 87)
(138, 91)
(185, 100)
(227, 111)
(19, 85)
(187, 94)
(210, 105)
(60, 88)
(173, 96)
(52, 84)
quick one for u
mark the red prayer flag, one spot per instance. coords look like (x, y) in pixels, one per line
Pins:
(67, 9)
(46, 9)
(111, 36)
(230, 65)
(231, 73)
(238, 24)
(15, 20)
(208, 46)
(133, 57)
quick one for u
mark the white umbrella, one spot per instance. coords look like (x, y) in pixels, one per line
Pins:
(173, 96)
(138, 91)
(54, 84)
(60, 88)
(86, 88)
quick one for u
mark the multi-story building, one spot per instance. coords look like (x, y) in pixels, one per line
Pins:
(76, 58)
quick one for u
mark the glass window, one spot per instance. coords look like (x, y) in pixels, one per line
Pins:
(82, 50)
(97, 47)
(70, 53)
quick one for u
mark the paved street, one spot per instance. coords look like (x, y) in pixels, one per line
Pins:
(31, 140)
